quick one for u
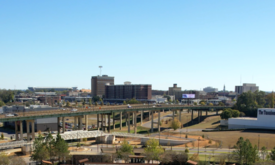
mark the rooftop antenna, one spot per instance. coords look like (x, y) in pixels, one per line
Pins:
(100, 69)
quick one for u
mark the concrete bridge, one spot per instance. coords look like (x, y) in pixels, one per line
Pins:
(105, 112)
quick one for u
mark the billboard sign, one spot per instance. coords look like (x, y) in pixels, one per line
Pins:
(188, 96)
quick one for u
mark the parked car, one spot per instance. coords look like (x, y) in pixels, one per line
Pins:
(74, 110)
(15, 114)
(9, 115)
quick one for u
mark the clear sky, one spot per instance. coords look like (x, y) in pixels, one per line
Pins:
(194, 43)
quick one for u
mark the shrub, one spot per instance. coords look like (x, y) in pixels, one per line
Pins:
(186, 136)
(84, 139)
(202, 136)
(210, 141)
(186, 150)
(175, 124)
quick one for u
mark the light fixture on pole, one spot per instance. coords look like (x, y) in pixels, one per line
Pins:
(100, 69)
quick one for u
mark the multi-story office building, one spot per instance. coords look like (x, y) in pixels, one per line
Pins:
(141, 92)
(159, 92)
(210, 89)
(98, 84)
(174, 89)
(245, 88)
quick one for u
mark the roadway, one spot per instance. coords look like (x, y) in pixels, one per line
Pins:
(99, 110)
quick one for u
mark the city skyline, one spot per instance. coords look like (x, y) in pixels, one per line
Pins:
(194, 43)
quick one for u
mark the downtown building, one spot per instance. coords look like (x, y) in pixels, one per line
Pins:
(246, 87)
(98, 84)
(127, 91)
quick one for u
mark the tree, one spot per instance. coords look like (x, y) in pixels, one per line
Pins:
(166, 157)
(270, 100)
(226, 114)
(202, 103)
(181, 157)
(2, 136)
(40, 151)
(7, 96)
(61, 148)
(125, 150)
(195, 103)
(76, 103)
(272, 154)
(50, 145)
(95, 103)
(124, 103)
(235, 113)
(221, 103)
(175, 124)
(264, 152)
(68, 104)
(96, 98)
(83, 103)
(153, 148)
(244, 152)
(195, 157)
(4, 159)
(210, 104)
(90, 102)
(2, 103)
(177, 101)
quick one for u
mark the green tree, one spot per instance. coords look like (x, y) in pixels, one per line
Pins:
(61, 148)
(210, 104)
(226, 114)
(2, 103)
(221, 103)
(177, 101)
(181, 157)
(95, 103)
(176, 124)
(153, 148)
(235, 113)
(68, 104)
(270, 98)
(7, 96)
(272, 154)
(124, 103)
(40, 151)
(76, 103)
(195, 103)
(96, 98)
(50, 146)
(124, 151)
(202, 103)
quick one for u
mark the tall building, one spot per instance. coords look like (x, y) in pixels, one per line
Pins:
(210, 89)
(174, 89)
(246, 87)
(98, 84)
(141, 92)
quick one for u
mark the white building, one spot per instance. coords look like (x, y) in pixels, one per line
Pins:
(210, 89)
(245, 88)
(265, 120)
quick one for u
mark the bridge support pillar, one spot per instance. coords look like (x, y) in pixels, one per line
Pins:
(21, 130)
(28, 130)
(199, 116)
(135, 121)
(152, 124)
(120, 121)
(97, 121)
(63, 124)
(33, 130)
(101, 122)
(149, 116)
(180, 117)
(173, 115)
(75, 122)
(58, 124)
(80, 123)
(114, 124)
(128, 121)
(87, 122)
(141, 117)
(217, 112)
(16, 130)
(206, 113)
(192, 115)
(109, 123)
(159, 121)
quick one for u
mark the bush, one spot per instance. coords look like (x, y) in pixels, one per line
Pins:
(186, 136)
(175, 124)
(186, 150)
(202, 136)
(84, 139)
(210, 141)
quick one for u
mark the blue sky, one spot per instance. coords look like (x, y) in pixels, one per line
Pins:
(194, 43)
